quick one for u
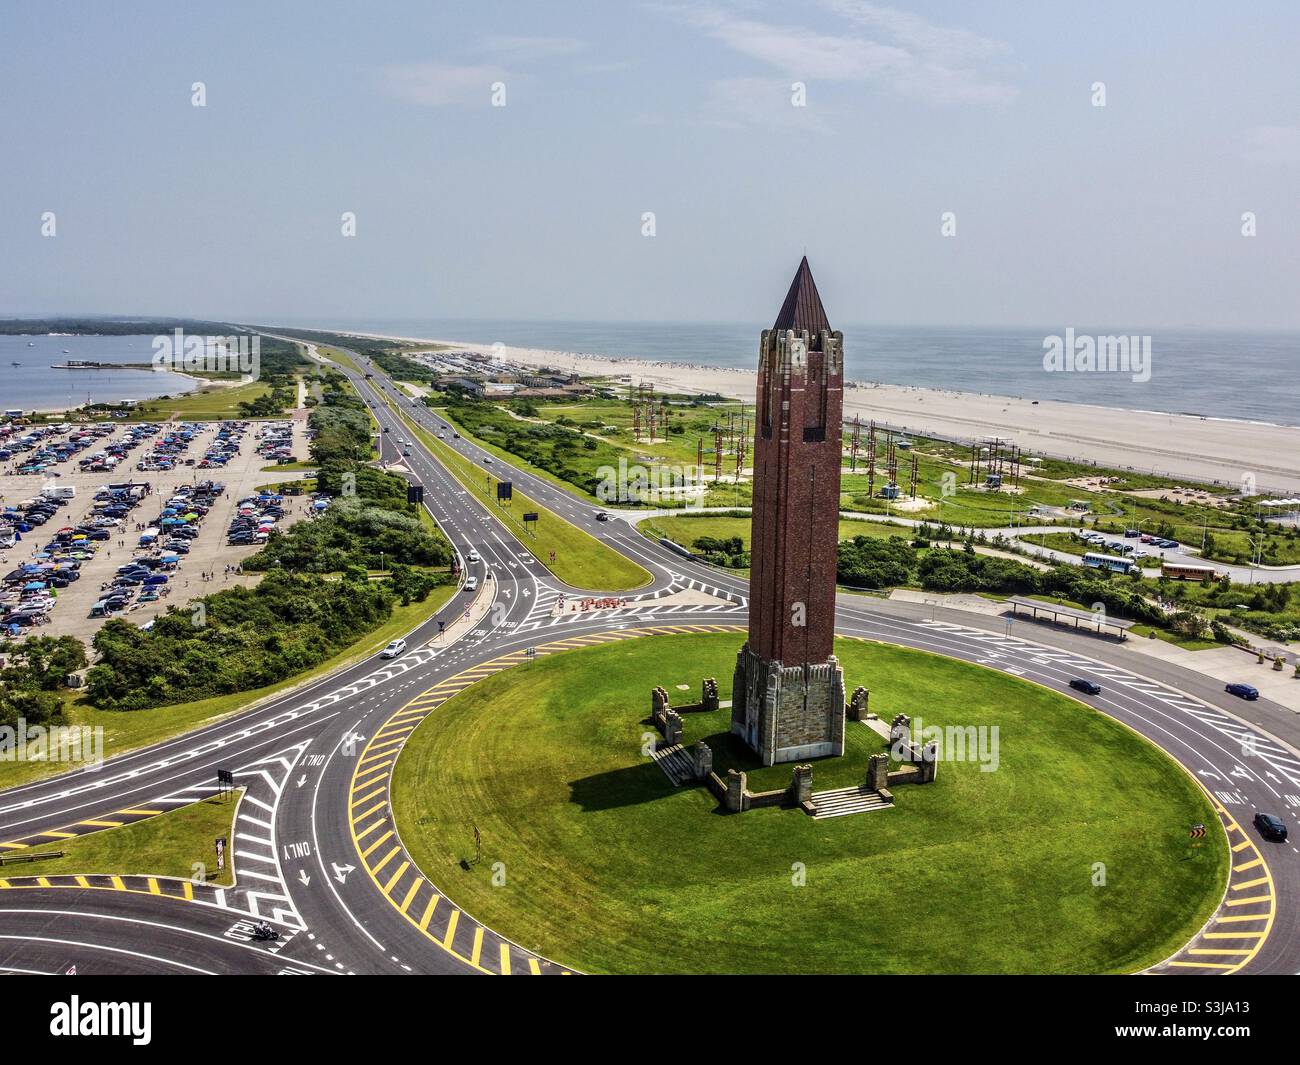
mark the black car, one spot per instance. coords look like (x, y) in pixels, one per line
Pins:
(1087, 686)
(1270, 827)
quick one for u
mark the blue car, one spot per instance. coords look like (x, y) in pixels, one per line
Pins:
(1242, 691)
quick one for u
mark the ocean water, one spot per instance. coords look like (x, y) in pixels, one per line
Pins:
(32, 385)
(1247, 376)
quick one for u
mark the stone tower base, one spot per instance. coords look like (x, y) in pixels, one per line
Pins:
(788, 713)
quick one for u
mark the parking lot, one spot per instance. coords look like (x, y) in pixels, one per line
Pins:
(165, 517)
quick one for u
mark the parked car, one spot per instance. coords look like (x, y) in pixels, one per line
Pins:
(1089, 687)
(1270, 826)
(1242, 691)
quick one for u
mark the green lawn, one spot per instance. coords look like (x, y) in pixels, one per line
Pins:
(167, 845)
(611, 869)
(210, 402)
(126, 730)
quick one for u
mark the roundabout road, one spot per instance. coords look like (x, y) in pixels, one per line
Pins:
(315, 849)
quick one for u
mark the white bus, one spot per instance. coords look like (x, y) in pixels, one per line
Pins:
(1111, 562)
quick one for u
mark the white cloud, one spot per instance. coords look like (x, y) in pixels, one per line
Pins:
(733, 103)
(892, 49)
(441, 84)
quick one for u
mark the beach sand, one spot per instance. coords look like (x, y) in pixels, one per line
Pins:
(1260, 457)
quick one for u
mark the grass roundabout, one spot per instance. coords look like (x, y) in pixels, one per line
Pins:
(608, 868)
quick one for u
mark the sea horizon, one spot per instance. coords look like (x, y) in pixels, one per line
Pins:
(1200, 373)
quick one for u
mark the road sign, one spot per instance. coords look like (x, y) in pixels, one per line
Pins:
(1197, 832)
(505, 491)
(226, 777)
(221, 852)
(415, 493)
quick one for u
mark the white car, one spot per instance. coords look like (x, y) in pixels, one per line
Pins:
(472, 556)
(471, 583)
(393, 649)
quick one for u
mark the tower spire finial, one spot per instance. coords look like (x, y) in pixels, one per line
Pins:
(803, 308)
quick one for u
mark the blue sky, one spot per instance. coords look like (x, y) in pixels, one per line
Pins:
(1115, 216)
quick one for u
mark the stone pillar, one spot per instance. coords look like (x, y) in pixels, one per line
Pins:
(709, 694)
(929, 764)
(672, 728)
(736, 783)
(878, 772)
(857, 710)
(658, 701)
(703, 760)
(801, 784)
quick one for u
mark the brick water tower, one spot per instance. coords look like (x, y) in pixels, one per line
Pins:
(788, 695)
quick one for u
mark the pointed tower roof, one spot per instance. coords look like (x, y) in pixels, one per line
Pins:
(803, 308)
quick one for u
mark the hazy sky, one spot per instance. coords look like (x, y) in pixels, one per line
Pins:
(1066, 213)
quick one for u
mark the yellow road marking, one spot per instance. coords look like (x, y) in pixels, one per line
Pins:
(410, 894)
(1233, 953)
(401, 869)
(1241, 846)
(82, 882)
(42, 882)
(1233, 935)
(141, 813)
(102, 824)
(477, 949)
(451, 929)
(375, 846)
(385, 859)
(380, 750)
(505, 960)
(60, 835)
(1244, 917)
(187, 889)
(362, 816)
(358, 802)
(377, 824)
(1247, 865)
(533, 967)
(117, 883)
(1201, 965)
(428, 911)
(1253, 898)
(153, 887)
(1251, 883)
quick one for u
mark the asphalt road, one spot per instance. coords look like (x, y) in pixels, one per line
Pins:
(317, 854)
